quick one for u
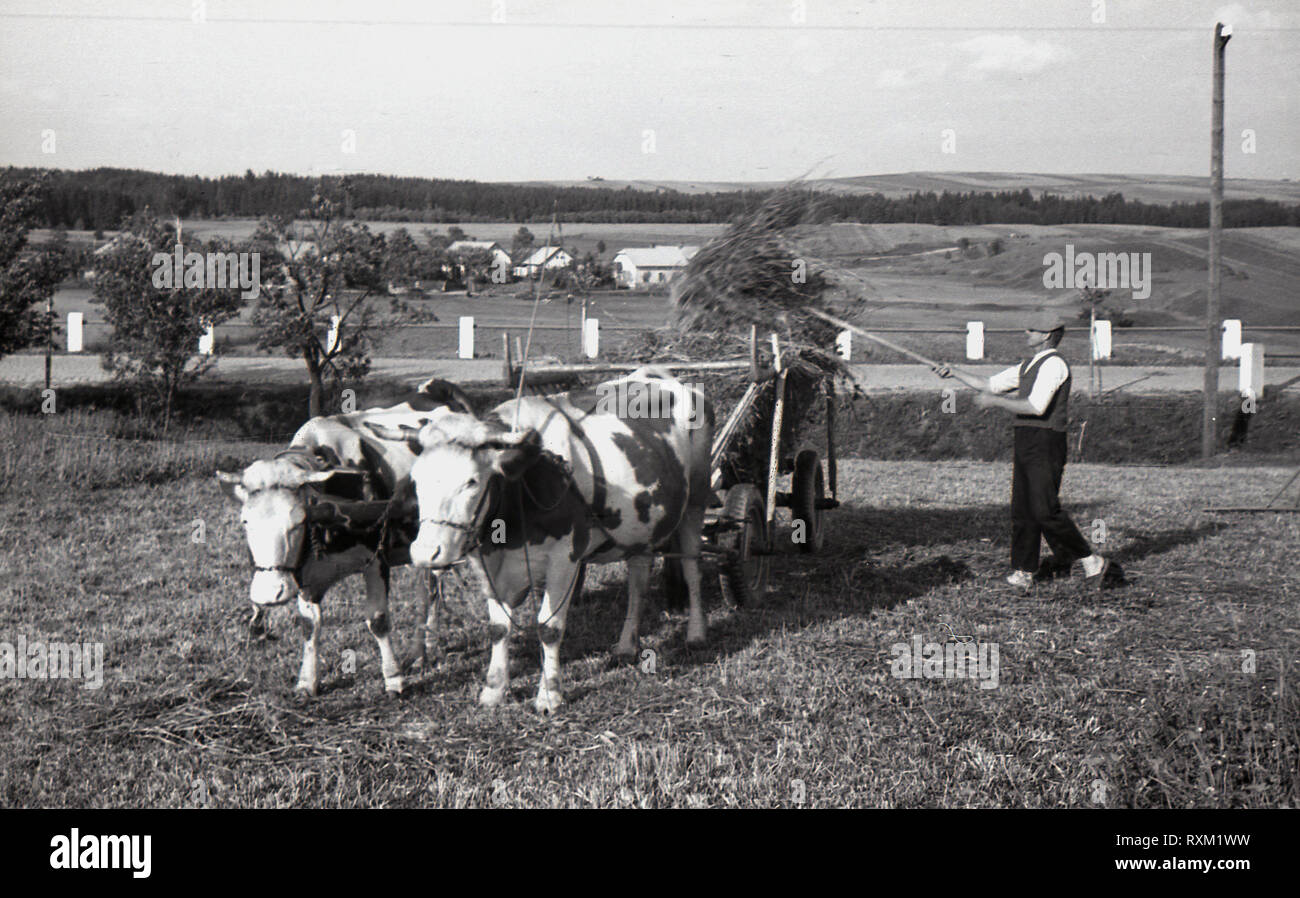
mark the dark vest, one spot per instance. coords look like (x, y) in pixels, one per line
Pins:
(1056, 415)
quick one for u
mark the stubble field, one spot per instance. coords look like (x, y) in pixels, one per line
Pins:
(1176, 688)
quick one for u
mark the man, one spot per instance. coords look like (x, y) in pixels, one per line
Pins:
(1041, 385)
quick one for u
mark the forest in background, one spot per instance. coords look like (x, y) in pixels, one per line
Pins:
(101, 198)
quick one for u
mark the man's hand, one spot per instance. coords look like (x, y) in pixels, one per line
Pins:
(942, 370)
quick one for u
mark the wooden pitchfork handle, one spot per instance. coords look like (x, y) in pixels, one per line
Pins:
(870, 336)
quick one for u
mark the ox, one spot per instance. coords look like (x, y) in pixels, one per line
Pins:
(304, 535)
(576, 481)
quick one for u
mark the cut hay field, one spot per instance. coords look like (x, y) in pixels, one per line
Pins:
(1139, 696)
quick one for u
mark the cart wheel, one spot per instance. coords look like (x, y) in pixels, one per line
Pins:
(743, 571)
(676, 594)
(807, 487)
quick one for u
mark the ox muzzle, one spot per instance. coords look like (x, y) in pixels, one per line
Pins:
(279, 582)
(441, 543)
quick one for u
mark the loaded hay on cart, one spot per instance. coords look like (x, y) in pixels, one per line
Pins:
(755, 280)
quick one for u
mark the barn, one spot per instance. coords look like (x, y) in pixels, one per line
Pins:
(645, 266)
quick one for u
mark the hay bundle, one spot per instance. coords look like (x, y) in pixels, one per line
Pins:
(754, 274)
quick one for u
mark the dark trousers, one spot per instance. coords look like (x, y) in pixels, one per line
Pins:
(1035, 508)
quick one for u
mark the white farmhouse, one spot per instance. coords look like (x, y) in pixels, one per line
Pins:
(546, 257)
(642, 267)
(500, 258)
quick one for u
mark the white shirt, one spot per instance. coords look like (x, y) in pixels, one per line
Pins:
(1051, 375)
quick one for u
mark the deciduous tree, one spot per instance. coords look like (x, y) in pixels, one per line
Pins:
(156, 329)
(28, 277)
(328, 268)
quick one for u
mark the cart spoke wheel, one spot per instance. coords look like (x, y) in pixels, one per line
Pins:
(807, 488)
(743, 570)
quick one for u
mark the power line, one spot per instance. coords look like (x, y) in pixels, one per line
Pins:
(633, 26)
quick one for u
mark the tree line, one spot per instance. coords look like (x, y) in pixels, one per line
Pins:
(319, 287)
(101, 198)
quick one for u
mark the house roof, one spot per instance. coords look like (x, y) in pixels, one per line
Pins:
(657, 256)
(459, 245)
(542, 255)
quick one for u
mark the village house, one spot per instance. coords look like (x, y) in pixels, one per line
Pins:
(643, 267)
(543, 258)
(500, 258)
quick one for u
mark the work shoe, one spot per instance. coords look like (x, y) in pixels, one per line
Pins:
(1094, 570)
(1022, 580)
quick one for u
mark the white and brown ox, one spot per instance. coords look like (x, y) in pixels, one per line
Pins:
(304, 536)
(590, 476)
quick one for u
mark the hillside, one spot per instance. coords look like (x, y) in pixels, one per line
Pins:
(915, 275)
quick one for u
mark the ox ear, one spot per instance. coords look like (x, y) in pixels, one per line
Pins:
(315, 477)
(232, 484)
(517, 458)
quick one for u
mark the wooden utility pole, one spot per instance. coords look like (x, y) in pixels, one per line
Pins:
(1213, 303)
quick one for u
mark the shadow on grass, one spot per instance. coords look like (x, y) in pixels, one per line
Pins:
(847, 578)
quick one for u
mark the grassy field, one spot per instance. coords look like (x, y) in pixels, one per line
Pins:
(1144, 695)
(911, 275)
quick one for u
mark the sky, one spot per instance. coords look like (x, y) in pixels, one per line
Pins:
(507, 90)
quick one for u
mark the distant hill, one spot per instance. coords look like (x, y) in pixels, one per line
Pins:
(1147, 188)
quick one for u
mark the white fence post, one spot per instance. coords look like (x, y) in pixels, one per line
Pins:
(844, 345)
(1231, 339)
(207, 341)
(332, 341)
(75, 320)
(975, 340)
(466, 350)
(1250, 376)
(591, 338)
(1101, 344)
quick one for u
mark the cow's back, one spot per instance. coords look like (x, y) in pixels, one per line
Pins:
(637, 471)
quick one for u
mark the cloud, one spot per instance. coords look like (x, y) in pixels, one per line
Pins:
(923, 73)
(1012, 53)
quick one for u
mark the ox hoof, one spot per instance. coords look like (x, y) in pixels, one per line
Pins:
(393, 685)
(548, 701)
(491, 697)
(697, 643)
(306, 690)
(623, 654)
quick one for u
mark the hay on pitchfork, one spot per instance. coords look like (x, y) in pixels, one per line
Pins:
(754, 274)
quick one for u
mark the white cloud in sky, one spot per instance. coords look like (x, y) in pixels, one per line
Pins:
(1010, 53)
(985, 54)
